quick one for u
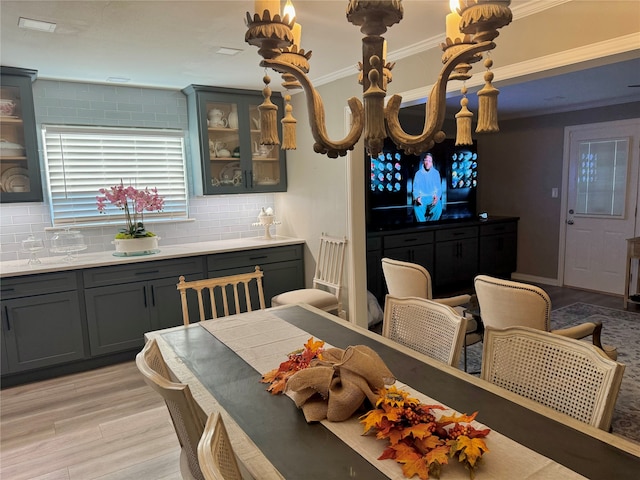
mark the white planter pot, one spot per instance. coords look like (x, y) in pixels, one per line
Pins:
(136, 246)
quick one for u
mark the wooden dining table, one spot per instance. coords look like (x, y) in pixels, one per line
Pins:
(222, 361)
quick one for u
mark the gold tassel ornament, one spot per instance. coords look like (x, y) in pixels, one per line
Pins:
(288, 126)
(268, 117)
(463, 121)
(488, 103)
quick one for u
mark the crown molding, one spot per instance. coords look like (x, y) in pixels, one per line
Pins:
(626, 44)
(519, 11)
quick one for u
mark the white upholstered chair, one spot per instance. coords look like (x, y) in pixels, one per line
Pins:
(224, 289)
(505, 303)
(425, 326)
(327, 280)
(406, 279)
(565, 374)
(187, 416)
(215, 452)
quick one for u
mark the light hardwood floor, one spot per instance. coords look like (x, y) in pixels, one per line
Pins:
(103, 424)
(107, 424)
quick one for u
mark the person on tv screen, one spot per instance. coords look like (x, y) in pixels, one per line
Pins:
(427, 191)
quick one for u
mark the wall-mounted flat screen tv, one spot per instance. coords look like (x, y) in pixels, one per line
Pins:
(408, 190)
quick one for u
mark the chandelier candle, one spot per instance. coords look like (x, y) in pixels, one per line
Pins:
(476, 21)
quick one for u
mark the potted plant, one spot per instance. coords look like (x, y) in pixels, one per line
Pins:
(133, 239)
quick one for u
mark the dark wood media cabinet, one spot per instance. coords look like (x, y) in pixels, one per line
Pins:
(453, 253)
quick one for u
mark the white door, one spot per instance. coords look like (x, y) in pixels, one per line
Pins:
(601, 200)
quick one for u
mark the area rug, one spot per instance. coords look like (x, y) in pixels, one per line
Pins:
(620, 329)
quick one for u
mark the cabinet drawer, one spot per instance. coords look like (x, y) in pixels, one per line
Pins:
(407, 239)
(137, 272)
(498, 228)
(16, 287)
(456, 234)
(250, 258)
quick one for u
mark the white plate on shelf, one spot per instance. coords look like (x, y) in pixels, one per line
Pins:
(17, 183)
(13, 178)
(268, 182)
(230, 171)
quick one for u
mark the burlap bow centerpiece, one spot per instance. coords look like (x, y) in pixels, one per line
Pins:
(335, 387)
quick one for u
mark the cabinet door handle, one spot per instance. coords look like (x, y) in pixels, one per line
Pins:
(6, 316)
(153, 296)
(144, 294)
(8, 289)
(250, 178)
(259, 257)
(148, 272)
(410, 240)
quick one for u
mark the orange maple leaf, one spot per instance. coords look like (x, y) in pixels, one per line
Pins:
(372, 419)
(314, 345)
(469, 450)
(421, 430)
(464, 418)
(429, 443)
(415, 466)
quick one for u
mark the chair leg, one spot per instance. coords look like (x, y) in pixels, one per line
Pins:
(464, 347)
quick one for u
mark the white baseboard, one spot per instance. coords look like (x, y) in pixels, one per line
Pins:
(534, 279)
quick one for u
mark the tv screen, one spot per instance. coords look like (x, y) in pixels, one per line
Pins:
(437, 186)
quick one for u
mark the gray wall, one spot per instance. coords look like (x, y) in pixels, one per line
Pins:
(517, 170)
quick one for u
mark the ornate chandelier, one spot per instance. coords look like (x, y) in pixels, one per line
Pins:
(471, 29)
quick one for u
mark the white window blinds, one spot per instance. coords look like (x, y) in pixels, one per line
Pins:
(81, 160)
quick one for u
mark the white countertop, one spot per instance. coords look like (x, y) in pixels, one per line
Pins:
(57, 263)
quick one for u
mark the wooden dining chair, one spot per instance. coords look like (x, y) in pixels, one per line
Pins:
(215, 452)
(232, 290)
(327, 280)
(425, 326)
(187, 416)
(505, 303)
(565, 374)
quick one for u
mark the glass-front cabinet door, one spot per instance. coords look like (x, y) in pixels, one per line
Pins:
(224, 126)
(19, 163)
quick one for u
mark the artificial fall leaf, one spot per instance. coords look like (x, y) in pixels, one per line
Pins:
(389, 453)
(314, 346)
(429, 443)
(405, 453)
(475, 433)
(464, 418)
(395, 435)
(438, 454)
(469, 450)
(270, 376)
(372, 419)
(421, 430)
(416, 466)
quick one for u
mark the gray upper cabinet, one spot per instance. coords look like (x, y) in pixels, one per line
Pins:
(19, 161)
(224, 134)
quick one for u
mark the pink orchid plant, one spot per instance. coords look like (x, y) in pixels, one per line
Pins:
(134, 203)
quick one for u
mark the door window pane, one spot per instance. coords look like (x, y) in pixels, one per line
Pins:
(601, 177)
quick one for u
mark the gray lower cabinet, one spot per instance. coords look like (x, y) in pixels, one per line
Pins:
(42, 322)
(54, 323)
(124, 302)
(283, 268)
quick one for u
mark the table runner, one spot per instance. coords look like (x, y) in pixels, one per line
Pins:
(263, 340)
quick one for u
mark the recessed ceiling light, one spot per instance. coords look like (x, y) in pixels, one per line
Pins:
(38, 25)
(118, 79)
(228, 51)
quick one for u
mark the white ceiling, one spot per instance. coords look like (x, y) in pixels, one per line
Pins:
(172, 43)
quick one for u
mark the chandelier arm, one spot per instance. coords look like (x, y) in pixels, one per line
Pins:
(323, 144)
(435, 108)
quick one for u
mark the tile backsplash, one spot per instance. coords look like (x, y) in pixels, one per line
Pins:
(221, 217)
(56, 102)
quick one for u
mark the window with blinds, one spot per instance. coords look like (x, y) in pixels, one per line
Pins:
(81, 160)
